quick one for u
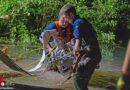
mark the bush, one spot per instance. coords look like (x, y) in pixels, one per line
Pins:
(29, 17)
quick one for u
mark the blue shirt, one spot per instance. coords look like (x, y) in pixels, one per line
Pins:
(82, 28)
(76, 25)
(51, 27)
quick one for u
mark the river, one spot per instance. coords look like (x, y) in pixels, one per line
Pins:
(112, 61)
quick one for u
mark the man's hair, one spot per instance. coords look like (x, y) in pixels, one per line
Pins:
(67, 9)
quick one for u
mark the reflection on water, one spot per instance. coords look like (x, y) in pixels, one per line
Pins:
(113, 59)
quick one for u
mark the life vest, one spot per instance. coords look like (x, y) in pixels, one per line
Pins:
(67, 38)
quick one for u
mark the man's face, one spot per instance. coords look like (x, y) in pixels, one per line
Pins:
(69, 17)
(63, 21)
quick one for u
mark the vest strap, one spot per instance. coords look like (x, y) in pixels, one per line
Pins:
(67, 39)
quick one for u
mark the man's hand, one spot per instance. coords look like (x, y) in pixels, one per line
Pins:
(75, 53)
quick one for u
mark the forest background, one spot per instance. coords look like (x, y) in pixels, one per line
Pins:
(27, 18)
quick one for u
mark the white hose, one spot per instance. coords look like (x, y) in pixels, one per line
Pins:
(39, 64)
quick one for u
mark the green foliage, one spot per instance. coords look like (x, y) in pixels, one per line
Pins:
(29, 17)
(103, 16)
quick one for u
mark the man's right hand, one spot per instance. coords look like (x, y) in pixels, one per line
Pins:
(75, 53)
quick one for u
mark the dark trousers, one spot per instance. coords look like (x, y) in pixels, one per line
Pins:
(82, 76)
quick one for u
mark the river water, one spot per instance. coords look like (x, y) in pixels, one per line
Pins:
(111, 61)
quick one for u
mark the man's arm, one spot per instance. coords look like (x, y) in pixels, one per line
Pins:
(41, 40)
(126, 65)
(76, 46)
(124, 81)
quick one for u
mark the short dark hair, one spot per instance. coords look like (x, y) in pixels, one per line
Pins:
(67, 9)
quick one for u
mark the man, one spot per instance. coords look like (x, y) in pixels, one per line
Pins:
(64, 31)
(63, 25)
(85, 40)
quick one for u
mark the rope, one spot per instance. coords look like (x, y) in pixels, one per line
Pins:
(30, 63)
(28, 52)
(21, 77)
(34, 61)
(39, 59)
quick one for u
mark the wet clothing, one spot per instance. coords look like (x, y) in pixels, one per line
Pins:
(84, 31)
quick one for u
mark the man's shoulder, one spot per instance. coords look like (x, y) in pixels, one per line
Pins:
(78, 21)
(51, 26)
(82, 22)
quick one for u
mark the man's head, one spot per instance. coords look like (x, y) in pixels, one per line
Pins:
(62, 21)
(69, 12)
